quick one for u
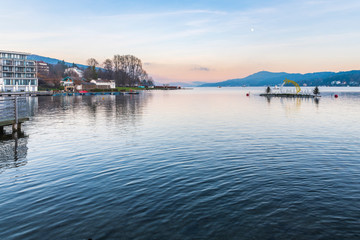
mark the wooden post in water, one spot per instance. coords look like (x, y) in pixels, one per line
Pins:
(16, 127)
(2, 132)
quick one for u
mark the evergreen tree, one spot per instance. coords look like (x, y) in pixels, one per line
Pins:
(268, 90)
(316, 91)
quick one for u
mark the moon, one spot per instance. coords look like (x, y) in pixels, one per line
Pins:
(252, 29)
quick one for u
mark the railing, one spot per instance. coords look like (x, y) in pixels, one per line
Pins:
(8, 63)
(13, 109)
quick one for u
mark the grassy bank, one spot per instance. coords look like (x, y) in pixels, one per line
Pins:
(127, 89)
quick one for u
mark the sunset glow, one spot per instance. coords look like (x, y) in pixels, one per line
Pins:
(190, 40)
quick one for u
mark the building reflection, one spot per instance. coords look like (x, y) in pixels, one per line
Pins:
(13, 151)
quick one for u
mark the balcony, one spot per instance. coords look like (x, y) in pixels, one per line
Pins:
(30, 70)
(8, 63)
(19, 64)
(8, 74)
(20, 70)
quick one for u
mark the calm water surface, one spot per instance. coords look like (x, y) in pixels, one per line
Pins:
(190, 164)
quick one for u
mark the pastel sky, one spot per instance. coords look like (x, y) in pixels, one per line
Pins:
(187, 41)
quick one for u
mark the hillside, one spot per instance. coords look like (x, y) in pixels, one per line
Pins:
(53, 61)
(265, 78)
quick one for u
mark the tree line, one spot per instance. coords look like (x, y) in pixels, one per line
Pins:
(126, 70)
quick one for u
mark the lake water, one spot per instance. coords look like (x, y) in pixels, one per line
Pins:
(207, 163)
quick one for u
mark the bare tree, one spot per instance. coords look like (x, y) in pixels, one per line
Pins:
(92, 62)
(90, 72)
(108, 66)
(128, 70)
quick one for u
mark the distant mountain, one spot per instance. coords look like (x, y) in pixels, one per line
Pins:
(186, 84)
(265, 78)
(53, 61)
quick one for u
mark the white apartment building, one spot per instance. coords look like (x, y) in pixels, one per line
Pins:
(17, 74)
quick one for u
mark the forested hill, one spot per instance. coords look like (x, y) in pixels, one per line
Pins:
(265, 78)
(54, 61)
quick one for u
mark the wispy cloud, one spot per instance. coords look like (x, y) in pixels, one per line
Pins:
(199, 68)
(146, 15)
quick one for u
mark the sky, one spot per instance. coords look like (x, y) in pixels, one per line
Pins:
(185, 41)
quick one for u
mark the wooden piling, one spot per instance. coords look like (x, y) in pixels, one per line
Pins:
(12, 114)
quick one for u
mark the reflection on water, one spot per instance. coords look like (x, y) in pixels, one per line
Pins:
(202, 164)
(13, 146)
(13, 151)
(114, 107)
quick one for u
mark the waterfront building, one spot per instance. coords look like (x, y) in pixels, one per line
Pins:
(17, 73)
(42, 67)
(104, 84)
(68, 83)
(76, 71)
(86, 86)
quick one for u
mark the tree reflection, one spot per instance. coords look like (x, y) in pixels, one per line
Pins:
(111, 107)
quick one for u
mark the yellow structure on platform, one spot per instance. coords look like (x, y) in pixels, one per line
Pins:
(298, 89)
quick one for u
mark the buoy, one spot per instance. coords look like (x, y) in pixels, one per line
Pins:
(336, 96)
(248, 94)
(103, 98)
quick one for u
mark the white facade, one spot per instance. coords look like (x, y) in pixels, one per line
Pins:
(79, 72)
(110, 83)
(17, 74)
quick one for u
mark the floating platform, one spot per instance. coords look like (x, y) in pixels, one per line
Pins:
(93, 93)
(288, 95)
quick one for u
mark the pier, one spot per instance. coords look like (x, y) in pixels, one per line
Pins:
(13, 112)
(26, 94)
(92, 93)
(288, 95)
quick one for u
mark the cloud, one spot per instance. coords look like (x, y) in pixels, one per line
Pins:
(198, 68)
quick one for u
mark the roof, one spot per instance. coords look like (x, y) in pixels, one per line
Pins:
(103, 81)
(66, 78)
(87, 83)
(13, 52)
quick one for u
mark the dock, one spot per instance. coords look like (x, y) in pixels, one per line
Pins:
(13, 112)
(26, 94)
(288, 95)
(93, 93)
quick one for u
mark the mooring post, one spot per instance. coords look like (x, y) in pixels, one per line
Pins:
(15, 126)
(2, 132)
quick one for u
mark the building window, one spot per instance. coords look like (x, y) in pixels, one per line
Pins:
(19, 63)
(8, 74)
(8, 69)
(19, 69)
(29, 75)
